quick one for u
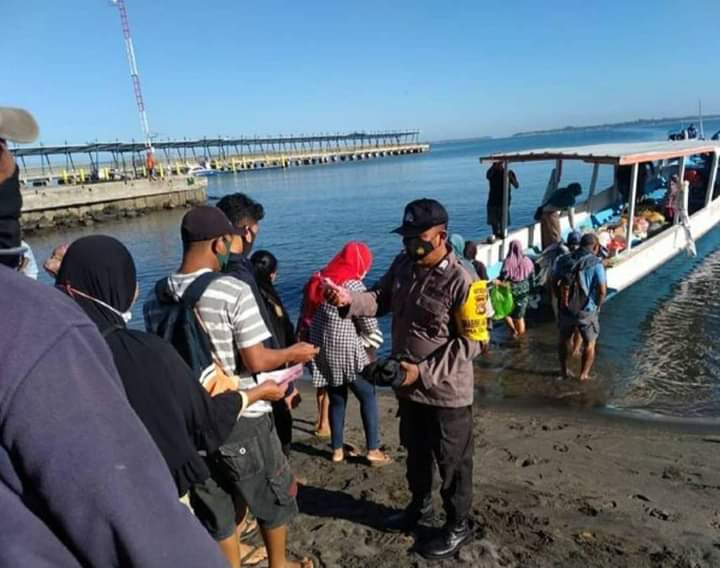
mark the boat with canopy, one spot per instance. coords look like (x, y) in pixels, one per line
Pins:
(630, 215)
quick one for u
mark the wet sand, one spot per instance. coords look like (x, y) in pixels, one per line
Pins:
(553, 487)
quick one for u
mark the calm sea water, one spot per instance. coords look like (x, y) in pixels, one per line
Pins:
(658, 351)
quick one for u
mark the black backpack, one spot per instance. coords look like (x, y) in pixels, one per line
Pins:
(180, 326)
(574, 295)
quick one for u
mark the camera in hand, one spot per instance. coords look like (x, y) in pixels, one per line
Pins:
(385, 373)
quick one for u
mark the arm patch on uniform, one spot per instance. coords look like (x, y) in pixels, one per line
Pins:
(472, 316)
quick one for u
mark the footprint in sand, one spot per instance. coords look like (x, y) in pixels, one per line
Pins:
(661, 514)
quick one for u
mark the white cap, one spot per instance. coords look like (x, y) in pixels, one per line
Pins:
(17, 125)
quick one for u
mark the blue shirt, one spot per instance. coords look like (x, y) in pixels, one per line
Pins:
(591, 277)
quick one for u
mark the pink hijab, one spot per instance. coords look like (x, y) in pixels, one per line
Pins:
(516, 265)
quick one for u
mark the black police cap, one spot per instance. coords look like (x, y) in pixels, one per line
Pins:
(420, 215)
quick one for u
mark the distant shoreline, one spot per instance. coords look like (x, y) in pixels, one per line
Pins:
(638, 122)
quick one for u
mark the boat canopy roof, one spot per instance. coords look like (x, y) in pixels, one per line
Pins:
(615, 154)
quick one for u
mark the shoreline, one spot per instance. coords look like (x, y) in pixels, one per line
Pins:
(553, 487)
(637, 123)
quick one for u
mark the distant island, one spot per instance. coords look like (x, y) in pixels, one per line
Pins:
(638, 122)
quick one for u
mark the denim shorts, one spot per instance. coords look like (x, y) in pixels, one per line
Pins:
(587, 323)
(248, 469)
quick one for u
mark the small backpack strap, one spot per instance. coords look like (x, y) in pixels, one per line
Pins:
(162, 291)
(197, 288)
(112, 329)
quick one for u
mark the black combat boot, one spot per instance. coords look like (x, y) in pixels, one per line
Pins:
(417, 512)
(451, 539)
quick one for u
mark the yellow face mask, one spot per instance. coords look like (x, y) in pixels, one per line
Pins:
(472, 315)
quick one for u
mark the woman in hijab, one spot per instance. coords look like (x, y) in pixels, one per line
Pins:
(266, 269)
(353, 257)
(517, 271)
(344, 344)
(98, 272)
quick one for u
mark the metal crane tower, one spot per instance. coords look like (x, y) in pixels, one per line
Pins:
(134, 75)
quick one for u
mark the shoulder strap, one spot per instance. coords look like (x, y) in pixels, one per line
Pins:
(162, 291)
(112, 329)
(195, 291)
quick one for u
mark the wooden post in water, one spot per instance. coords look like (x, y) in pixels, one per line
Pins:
(712, 180)
(505, 206)
(631, 207)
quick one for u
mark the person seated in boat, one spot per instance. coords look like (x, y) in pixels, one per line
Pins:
(624, 181)
(517, 272)
(672, 197)
(495, 175)
(562, 199)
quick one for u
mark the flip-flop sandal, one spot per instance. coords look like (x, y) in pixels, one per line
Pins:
(320, 435)
(250, 530)
(379, 462)
(255, 557)
(351, 451)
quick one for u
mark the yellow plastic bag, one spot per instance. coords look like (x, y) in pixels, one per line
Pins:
(472, 315)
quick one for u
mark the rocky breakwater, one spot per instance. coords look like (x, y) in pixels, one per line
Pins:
(64, 206)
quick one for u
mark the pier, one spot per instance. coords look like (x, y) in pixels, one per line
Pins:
(86, 204)
(85, 184)
(122, 161)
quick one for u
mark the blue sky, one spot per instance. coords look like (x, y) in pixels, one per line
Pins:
(452, 69)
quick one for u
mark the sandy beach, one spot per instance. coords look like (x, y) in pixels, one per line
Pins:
(553, 487)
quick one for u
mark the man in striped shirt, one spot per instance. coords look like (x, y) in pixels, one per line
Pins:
(251, 458)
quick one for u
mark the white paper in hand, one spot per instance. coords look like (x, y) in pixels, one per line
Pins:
(282, 376)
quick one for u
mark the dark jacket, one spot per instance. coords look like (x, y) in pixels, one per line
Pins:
(81, 481)
(241, 268)
(423, 303)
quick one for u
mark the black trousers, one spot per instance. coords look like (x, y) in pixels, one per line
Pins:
(283, 424)
(444, 435)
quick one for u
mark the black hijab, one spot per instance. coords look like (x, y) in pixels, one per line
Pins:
(100, 267)
(175, 409)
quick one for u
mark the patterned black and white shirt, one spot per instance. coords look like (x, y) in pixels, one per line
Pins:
(342, 343)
